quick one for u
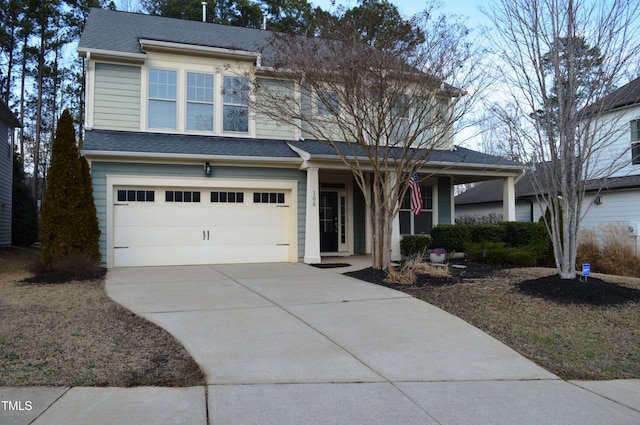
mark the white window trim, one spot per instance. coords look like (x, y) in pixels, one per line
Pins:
(181, 103)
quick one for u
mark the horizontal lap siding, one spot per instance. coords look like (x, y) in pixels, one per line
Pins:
(6, 184)
(99, 171)
(117, 97)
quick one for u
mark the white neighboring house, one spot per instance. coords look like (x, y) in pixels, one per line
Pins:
(8, 121)
(619, 199)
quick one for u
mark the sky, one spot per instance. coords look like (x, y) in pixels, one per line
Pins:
(464, 8)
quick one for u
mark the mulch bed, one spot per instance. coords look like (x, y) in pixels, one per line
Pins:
(594, 291)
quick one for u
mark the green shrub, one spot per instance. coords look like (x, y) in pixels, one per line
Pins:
(520, 233)
(486, 232)
(452, 237)
(498, 253)
(414, 244)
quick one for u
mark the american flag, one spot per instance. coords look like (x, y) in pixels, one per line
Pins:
(416, 196)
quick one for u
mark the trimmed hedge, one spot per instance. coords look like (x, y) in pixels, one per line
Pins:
(512, 243)
(451, 237)
(414, 244)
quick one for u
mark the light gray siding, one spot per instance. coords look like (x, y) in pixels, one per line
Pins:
(6, 184)
(117, 97)
(99, 171)
(269, 128)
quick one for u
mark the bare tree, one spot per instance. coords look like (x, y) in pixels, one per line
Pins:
(382, 102)
(558, 58)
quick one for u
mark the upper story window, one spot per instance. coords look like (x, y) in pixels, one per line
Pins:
(199, 101)
(162, 98)
(635, 142)
(401, 108)
(235, 113)
(328, 103)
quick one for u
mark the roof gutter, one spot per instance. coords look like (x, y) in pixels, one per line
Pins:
(181, 158)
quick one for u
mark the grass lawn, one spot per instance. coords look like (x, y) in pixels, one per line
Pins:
(72, 334)
(590, 331)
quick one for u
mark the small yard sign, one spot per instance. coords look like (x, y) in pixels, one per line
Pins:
(586, 270)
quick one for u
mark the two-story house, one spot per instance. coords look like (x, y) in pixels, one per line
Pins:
(8, 121)
(611, 199)
(185, 172)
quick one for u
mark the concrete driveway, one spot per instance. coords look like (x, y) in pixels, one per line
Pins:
(290, 343)
(293, 344)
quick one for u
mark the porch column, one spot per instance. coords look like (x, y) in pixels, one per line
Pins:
(312, 225)
(368, 225)
(395, 231)
(508, 199)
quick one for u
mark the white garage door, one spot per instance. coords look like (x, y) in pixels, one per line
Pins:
(180, 226)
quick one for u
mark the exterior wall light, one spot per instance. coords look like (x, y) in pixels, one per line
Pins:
(207, 169)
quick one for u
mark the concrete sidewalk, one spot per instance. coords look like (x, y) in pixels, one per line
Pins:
(293, 344)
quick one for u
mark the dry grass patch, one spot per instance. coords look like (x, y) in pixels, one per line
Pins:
(73, 334)
(408, 272)
(574, 341)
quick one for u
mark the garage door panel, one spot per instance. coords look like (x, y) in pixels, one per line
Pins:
(156, 235)
(160, 232)
(250, 235)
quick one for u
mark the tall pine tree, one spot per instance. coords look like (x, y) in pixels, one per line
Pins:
(68, 220)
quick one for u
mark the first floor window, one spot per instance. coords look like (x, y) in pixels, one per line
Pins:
(235, 109)
(162, 99)
(411, 224)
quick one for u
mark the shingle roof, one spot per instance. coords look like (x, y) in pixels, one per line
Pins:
(182, 144)
(627, 95)
(121, 31)
(491, 190)
(458, 155)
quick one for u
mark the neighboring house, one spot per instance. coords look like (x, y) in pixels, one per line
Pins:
(8, 121)
(184, 171)
(615, 199)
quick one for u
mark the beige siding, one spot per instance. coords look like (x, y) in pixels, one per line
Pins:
(117, 97)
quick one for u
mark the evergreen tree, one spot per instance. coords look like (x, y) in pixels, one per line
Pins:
(68, 222)
(24, 211)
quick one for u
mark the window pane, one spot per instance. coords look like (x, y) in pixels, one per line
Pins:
(256, 197)
(162, 114)
(236, 118)
(122, 195)
(635, 152)
(236, 90)
(199, 87)
(162, 84)
(405, 222)
(240, 197)
(281, 198)
(422, 223)
(151, 196)
(272, 198)
(169, 196)
(200, 116)
(131, 195)
(187, 196)
(196, 197)
(232, 197)
(328, 103)
(223, 196)
(140, 195)
(635, 131)
(178, 196)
